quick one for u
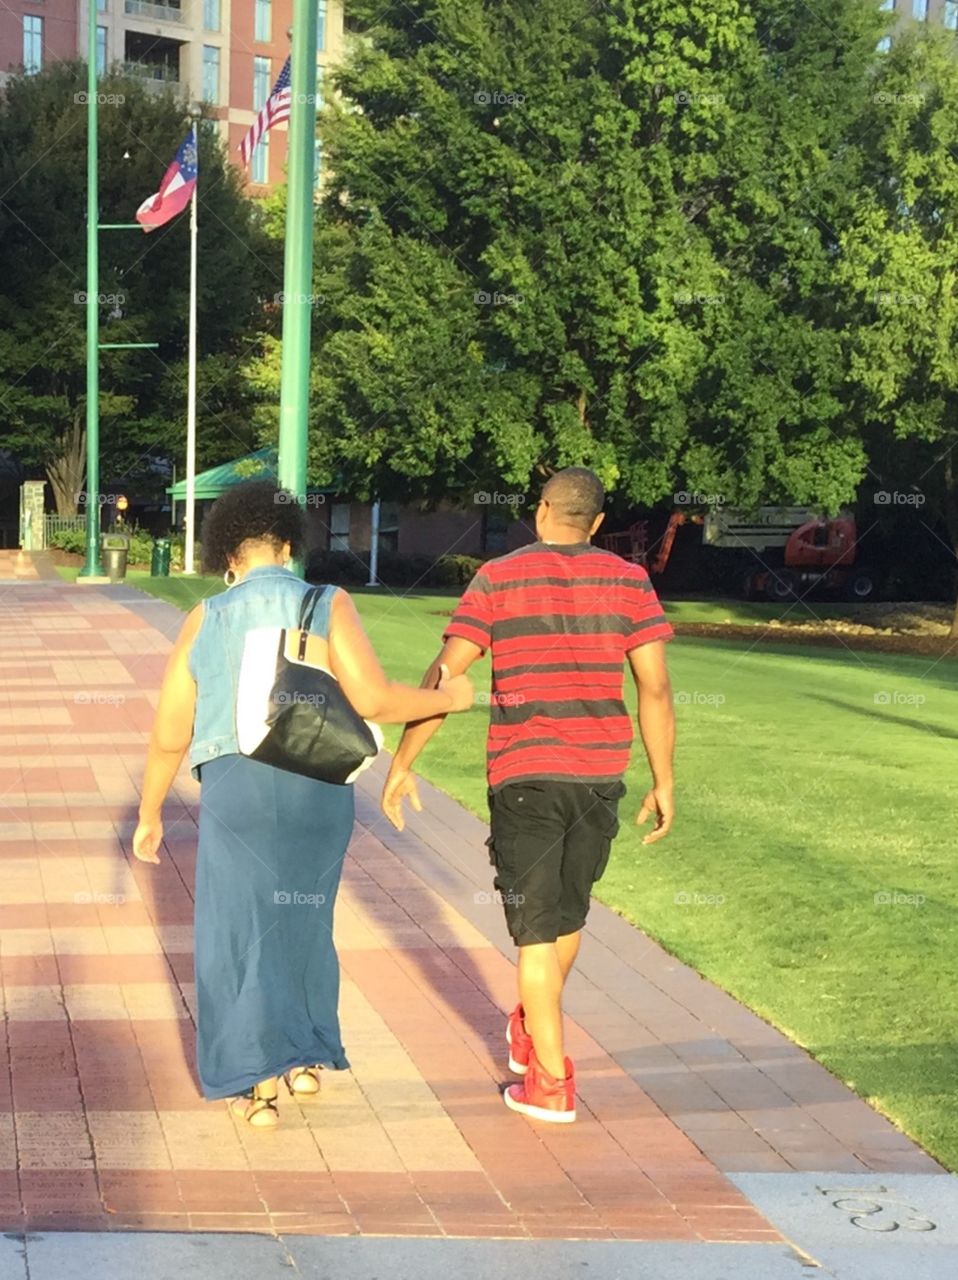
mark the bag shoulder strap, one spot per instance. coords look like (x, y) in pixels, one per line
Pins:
(314, 610)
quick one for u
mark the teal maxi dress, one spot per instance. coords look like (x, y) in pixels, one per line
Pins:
(271, 850)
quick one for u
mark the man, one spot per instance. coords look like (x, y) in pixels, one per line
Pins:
(560, 617)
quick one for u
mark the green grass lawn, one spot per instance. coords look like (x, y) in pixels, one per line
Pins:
(813, 785)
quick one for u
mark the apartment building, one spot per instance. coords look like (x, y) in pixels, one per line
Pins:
(226, 53)
(943, 11)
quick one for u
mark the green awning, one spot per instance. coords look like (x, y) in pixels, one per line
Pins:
(261, 465)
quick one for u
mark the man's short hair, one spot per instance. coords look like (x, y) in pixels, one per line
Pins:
(576, 496)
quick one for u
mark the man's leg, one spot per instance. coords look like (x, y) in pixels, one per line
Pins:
(567, 947)
(541, 978)
(543, 969)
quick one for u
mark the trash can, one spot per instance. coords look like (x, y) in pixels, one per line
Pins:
(160, 559)
(115, 550)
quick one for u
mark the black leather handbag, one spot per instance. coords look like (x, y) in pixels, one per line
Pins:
(293, 714)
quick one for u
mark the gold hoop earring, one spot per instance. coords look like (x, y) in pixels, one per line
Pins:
(229, 577)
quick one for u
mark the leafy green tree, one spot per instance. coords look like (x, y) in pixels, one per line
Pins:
(144, 281)
(898, 270)
(560, 233)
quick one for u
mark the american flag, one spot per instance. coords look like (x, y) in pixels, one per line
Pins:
(275, 110)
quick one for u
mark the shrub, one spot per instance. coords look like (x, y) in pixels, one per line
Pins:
(141, 546)
(69, 540)
(351, 569)
(455, 570)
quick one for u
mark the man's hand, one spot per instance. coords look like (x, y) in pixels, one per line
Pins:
(146, 839)
(400, 784)
(659, 804)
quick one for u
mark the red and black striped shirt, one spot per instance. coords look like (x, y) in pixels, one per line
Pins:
(559, 620)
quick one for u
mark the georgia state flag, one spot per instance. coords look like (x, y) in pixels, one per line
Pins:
(176, 189)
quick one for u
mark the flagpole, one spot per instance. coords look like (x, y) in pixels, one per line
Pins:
(92, 566)
(190, 516)
(298, 260)
(190, 542)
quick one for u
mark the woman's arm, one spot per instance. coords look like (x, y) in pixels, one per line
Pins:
(172, 731)
(373, 695)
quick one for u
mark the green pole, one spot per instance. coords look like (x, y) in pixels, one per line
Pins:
(92, 567)
(298, 266)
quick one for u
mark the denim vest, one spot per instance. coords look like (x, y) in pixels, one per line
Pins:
(267, 597)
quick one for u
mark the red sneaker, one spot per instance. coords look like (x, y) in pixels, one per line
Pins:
(543, 1097)
(519, 1042)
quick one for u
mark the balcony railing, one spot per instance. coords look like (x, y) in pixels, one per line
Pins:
(157, 76)
(153, 12)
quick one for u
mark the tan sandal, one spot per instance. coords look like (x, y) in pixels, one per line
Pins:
(303, 1082)
(257, 1109)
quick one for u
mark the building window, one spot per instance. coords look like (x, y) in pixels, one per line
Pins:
(101, 51)
(32, 44)
(262, 23)
(389, 527)
(259, 169)
(321, 25)
(919, 10)
(950, 17)
(339, 526)
(211, 15)
(101, 5)
(211, 73)
(884, 44)
(261, 85)
(888, 5)
(318, 144)
(495, 530)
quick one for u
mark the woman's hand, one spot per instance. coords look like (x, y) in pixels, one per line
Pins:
(458, 688)
(146, 839)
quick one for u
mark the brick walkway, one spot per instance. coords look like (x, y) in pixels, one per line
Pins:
(19, 566)
(101, 1123)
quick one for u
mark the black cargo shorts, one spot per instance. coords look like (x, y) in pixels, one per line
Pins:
(549, 843)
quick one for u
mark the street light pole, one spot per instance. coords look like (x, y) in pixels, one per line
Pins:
(298, 264)
(92, 567)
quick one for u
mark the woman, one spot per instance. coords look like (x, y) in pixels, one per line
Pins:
(271, 844)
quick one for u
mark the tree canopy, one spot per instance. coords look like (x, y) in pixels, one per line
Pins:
(144, 281)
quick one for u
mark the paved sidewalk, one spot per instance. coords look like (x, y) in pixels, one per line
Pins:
(684, 1095)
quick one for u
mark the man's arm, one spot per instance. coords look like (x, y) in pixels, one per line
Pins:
(457, 657)
(657, 729)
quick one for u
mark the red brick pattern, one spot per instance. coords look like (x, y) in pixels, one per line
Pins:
(101, 1123)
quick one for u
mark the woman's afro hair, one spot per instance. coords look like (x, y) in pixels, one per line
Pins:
(254, 511)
